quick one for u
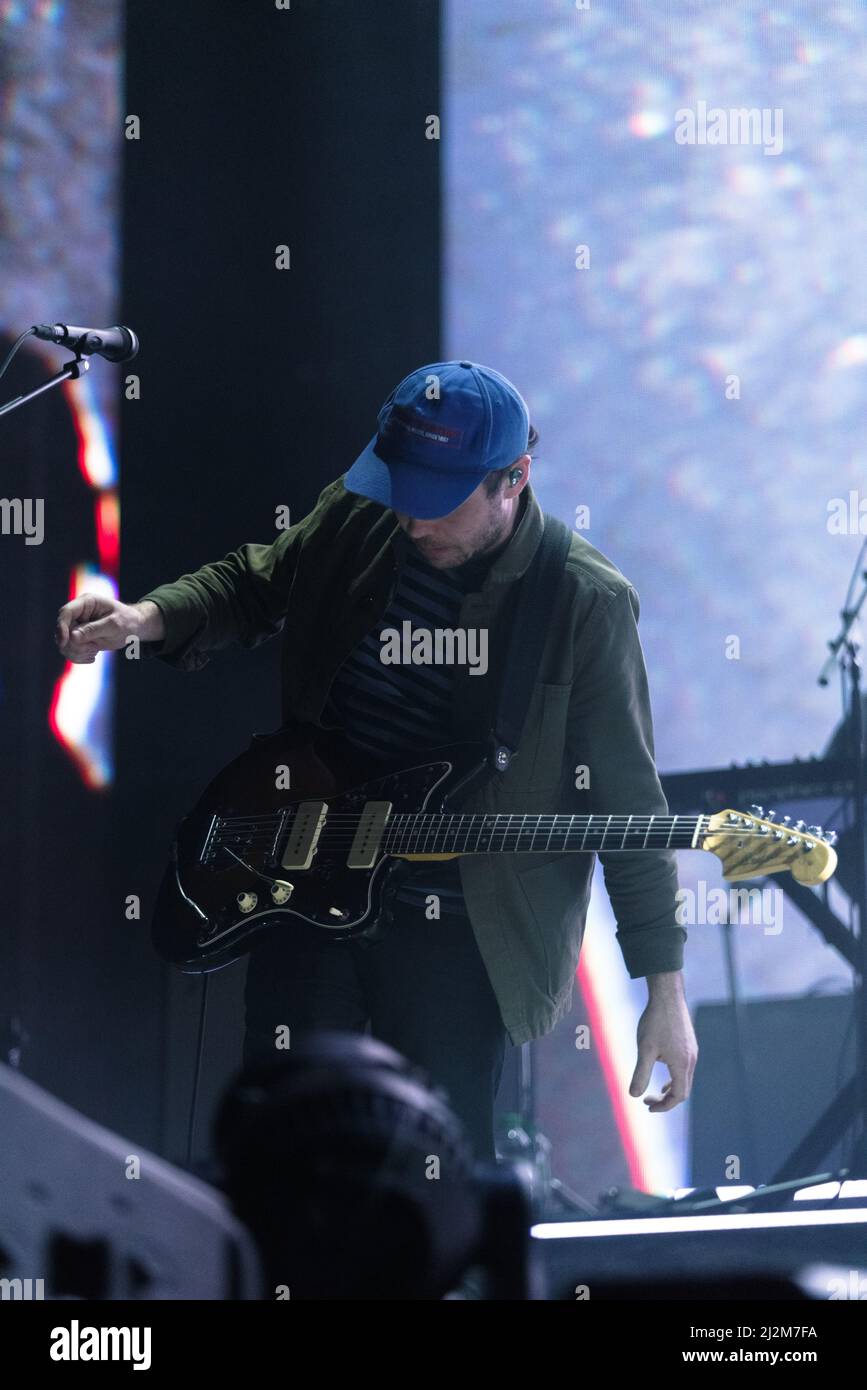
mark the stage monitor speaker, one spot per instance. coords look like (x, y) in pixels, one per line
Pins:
(85, 1214)
(797, 1054)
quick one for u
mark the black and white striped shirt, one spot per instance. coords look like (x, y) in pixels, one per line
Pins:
(388, 709)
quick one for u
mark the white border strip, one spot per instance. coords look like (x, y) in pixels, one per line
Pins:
(678, 1225)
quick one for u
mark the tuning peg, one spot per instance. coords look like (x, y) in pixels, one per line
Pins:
(831, 837)
(770, 815)
(785, 821)
(800, 825)
(758, 810)
(815, 830)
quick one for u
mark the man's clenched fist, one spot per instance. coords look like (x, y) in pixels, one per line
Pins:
(91, 624)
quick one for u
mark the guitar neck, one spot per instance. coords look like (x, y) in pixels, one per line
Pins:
(543, 834)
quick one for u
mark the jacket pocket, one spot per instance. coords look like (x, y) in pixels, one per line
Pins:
(556, 891)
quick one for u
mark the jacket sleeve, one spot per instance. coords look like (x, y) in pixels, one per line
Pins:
(610, 731)
(241, 598)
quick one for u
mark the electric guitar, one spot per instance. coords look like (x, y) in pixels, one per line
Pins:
(305, 826)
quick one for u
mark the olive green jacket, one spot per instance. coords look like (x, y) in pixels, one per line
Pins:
(326, 581)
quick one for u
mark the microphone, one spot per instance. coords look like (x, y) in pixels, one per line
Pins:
(117, 344)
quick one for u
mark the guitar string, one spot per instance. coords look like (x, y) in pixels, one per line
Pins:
(537, 828)
(560, 824)
(274, 819)
(492, 815)
(425, 840)
(427, 827)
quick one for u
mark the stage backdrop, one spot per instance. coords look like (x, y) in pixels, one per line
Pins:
(60, 157)
(675, 292)
(686, 320)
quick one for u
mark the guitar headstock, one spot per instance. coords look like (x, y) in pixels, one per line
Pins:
(749, 845)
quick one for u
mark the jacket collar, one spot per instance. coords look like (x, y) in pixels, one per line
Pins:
(523, 544)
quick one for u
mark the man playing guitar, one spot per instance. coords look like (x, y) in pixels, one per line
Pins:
(427, 534)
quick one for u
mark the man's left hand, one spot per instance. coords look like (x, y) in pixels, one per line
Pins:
(665, 1034)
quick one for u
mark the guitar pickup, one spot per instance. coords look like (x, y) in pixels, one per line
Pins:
(368, 836)
(303, 835)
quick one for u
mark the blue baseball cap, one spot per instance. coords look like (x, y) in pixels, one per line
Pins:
(442, 429)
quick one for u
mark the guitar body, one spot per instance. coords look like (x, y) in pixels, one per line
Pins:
(263, 846)
(304, 827)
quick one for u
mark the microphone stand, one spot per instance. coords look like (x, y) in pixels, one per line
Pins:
(525, 1143)
(850, 1104)
(856, 736)
(860, 824)
(71, 371)
(11, 1034)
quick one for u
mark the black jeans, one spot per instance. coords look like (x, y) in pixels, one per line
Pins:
(421, 985)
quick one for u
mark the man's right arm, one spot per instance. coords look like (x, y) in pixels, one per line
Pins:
(153, 627)
(241, 598)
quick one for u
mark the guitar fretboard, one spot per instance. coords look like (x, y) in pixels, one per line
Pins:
(553, 834)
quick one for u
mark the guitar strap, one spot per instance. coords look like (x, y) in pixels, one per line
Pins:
(536, 591)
